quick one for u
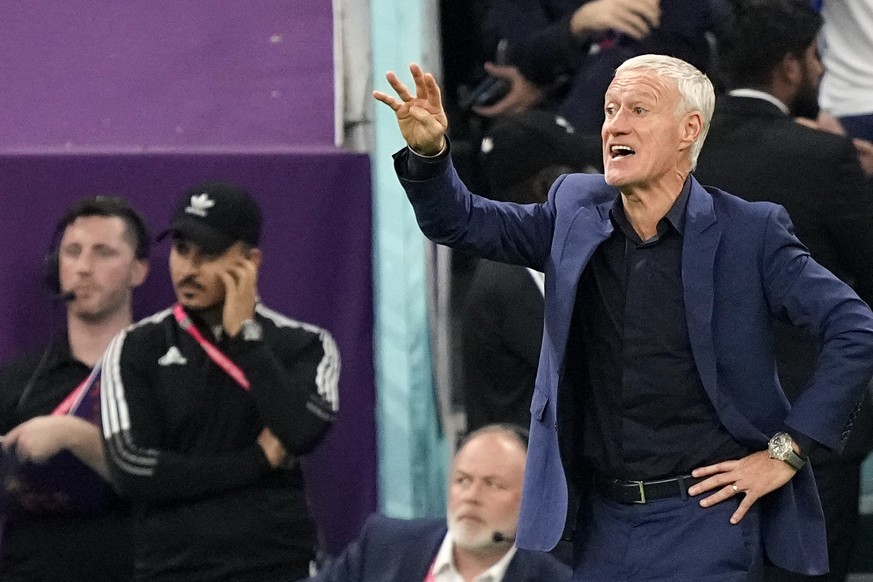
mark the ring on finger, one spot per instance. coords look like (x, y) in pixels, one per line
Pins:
(735, 488)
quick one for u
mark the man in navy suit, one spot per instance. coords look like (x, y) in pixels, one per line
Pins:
(657, 380)
(475, 542)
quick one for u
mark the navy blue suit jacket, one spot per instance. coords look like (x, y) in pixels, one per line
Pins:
(741, 267)
(399, 550)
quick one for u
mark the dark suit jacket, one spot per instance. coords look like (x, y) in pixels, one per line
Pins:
(398, 550)
(741, 267)
(501, 330)
(757, 152)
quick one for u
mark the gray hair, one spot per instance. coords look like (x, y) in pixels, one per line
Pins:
(694, 87)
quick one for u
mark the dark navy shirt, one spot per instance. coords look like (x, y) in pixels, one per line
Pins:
(647, 414)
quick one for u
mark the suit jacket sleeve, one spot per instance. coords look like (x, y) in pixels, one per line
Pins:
(804, 293)
(449, 214)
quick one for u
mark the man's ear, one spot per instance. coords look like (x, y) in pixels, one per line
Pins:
(789, 70)
(139, 272)
(692, 125)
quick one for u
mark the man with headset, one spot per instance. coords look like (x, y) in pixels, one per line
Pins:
(99, 255)
(476, 538)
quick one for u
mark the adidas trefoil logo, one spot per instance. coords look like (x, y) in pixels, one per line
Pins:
(173, 356)
(200, 204)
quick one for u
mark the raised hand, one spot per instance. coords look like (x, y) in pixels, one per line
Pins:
(421, 117)
(635, 18)
(241, 293)
(522, 95)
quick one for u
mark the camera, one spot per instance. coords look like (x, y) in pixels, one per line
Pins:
(491, 89)
(488, 92)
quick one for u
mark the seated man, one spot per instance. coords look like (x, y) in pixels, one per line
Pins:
(474, 542)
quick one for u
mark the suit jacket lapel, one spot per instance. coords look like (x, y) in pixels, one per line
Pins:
(584, 233)
(702, 236)
(429, 546)
(517, 570)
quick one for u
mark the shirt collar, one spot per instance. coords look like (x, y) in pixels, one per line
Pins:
(59, 353)
(755, 94)
(444, 569)
(675, 216)
(213, 332)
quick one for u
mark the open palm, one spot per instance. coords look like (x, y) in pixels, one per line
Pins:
(421, 117)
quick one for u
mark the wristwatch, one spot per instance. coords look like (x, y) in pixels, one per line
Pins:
(780, 448)
(251, 331)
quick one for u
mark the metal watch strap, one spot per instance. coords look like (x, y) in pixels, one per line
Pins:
(251, 331)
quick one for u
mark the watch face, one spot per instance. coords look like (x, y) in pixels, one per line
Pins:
(780, 446)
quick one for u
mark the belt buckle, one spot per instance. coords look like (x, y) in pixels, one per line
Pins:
(642, 488)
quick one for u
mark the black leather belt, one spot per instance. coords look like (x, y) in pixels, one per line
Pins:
(643, 491)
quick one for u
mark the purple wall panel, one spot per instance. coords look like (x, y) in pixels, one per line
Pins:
(166, 73)
(317, 268)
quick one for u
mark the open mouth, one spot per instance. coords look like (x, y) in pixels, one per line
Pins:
(620, 151)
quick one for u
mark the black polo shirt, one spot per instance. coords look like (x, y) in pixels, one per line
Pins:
(36, 383)
(647, 413)
(56, 548)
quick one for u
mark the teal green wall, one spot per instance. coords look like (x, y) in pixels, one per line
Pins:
(412, 452)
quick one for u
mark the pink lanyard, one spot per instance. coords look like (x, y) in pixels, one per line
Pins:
(213, 352)
(73, 397)
(431, 577)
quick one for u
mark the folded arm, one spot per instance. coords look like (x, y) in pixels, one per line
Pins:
(132, 433)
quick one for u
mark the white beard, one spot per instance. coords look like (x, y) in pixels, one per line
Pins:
(471, 537)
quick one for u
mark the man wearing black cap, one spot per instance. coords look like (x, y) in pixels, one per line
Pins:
(208, 404)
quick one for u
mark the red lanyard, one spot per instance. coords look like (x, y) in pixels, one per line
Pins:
(431, 577)
(73, 398)
(213, 352)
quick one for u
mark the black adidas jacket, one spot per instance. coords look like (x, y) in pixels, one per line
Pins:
(181, 441)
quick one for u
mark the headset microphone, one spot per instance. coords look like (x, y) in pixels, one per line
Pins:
(500, 537)
(65, 297)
